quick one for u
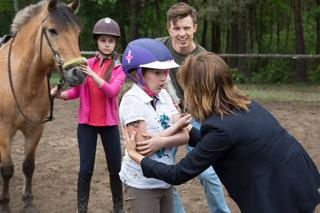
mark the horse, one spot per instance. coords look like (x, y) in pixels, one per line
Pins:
(44, 36)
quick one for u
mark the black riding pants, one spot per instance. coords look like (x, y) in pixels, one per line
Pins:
(87, 140)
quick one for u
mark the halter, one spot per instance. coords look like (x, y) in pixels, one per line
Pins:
(55, 53)
(60, 84)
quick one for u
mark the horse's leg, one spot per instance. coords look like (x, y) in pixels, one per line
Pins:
(6, 169)
(32, 138)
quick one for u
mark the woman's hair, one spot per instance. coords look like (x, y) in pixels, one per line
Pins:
(208, 87)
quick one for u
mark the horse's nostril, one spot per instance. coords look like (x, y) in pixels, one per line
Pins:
(78, 72)
(74, 76)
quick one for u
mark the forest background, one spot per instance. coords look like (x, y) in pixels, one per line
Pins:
(225, 27)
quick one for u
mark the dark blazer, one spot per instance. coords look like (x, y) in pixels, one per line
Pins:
(263, 168)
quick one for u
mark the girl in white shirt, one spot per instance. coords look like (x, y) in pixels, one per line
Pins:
(148, 109)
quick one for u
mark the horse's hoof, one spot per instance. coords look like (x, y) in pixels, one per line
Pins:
(29, 209)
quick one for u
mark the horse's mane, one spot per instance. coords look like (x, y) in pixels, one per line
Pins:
(24, 15)
(61, 14)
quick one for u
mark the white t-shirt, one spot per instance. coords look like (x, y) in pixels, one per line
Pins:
(136, 105)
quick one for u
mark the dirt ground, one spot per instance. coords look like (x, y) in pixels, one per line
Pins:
(54, 182)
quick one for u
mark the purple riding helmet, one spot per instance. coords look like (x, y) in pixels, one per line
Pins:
(146, 53)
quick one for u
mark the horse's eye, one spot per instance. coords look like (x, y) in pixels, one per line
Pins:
(53, 32)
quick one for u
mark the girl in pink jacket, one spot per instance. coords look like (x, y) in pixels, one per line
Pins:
(98, 112)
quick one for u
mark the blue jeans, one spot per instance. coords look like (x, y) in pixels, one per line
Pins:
(211, 185)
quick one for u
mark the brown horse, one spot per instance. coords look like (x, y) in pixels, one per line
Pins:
(45, 35)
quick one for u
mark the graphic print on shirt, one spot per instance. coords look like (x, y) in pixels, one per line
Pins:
(164, 121)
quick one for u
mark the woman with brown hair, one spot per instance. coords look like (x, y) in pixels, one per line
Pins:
(262, 166)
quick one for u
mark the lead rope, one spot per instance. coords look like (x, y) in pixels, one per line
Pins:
(60, 85)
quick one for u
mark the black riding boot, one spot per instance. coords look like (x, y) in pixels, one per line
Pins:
(116, 191)
(83, 194)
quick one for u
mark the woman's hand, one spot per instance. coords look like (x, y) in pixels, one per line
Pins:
(131, 145)
(149, 146)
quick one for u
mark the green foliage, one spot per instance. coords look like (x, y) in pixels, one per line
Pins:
(6, 15)
(314, 75)
(276, 71)
(237, 76)
(5, 5)
(268, 25)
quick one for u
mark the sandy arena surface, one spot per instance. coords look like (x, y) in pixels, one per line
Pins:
(54, 182)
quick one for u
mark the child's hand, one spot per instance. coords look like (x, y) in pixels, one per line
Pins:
(183, 121)
(150, 145)
(86, 70)
(55, 92)
(176, 105)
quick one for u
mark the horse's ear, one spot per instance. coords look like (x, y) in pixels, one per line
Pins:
(52, 4)
(74, 5)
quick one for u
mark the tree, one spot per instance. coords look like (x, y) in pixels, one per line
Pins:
(317, 18)
(134, 23)
(300, 47)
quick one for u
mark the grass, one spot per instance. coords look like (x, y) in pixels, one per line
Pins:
(283, 92)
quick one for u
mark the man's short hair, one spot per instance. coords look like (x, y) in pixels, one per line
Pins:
(180, 10)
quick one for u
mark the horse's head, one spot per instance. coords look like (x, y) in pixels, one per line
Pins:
(60, 40)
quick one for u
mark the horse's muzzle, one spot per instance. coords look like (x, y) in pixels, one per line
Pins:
(74, 76)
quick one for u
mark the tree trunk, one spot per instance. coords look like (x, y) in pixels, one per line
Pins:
(204, 27)
(157, 5)
(204, 33)
(318, 29)
(271, 32)
(252, 24)
(243, 24)
(278, 29)
(234, 37)
(288, 23)
(300, 48)
(134, 26)
(227, 39)
(260, 28)
(215, 37)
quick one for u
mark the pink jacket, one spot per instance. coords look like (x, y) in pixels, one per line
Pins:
(111, 91)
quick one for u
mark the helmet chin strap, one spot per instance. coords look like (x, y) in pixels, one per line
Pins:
(106, 56)
(148, 91)
(141, 83)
